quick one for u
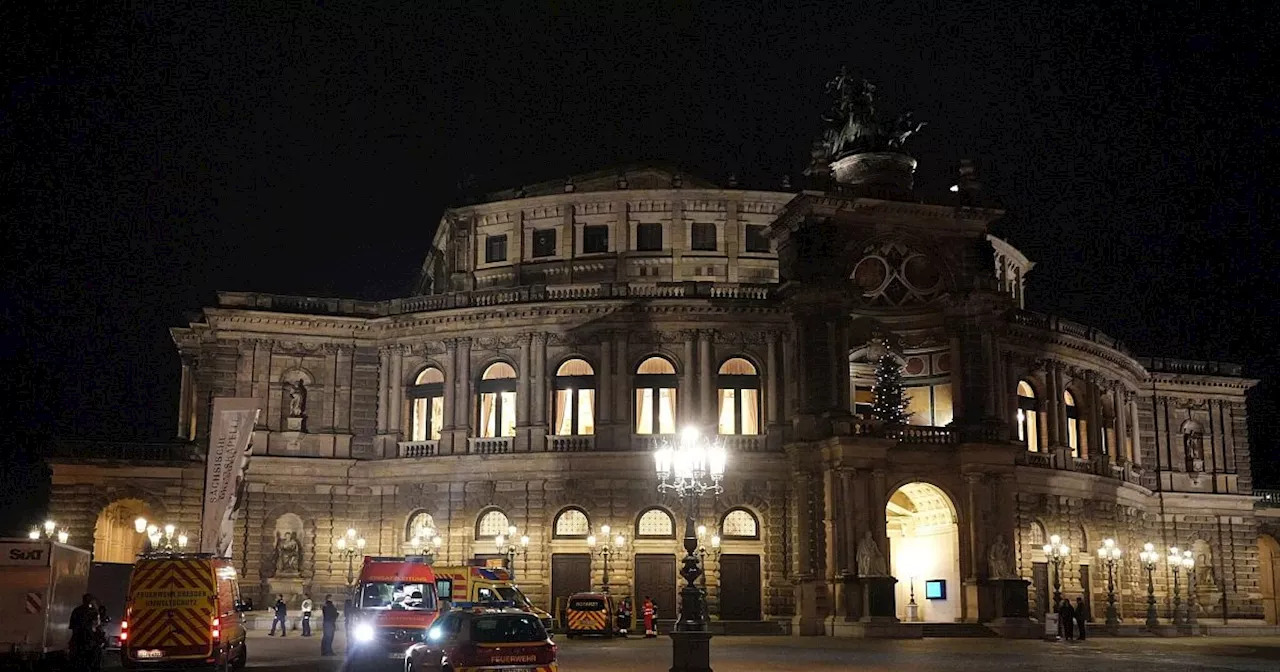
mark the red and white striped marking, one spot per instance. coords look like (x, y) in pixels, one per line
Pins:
(35, 603)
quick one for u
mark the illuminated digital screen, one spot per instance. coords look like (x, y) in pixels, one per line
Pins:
(935, 589)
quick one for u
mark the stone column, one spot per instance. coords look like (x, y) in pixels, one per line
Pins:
(395, 395)
(523, 378)
(1053, 406)
(622, 398)
(604, 389)
(850, 551)
(1119, 425)
(451, 383)
(184, 399)
(1096, 429)
(973, 499)
(538, 386)
(384, 379)
(706, 376)
(1135, 434)
(773, 393)
(688, 408)
(462, 397)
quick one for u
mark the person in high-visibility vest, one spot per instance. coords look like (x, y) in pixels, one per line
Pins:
(650, 618)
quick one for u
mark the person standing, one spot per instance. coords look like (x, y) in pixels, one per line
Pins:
(1067, 619)
(1080, 616)
(84, 634)
(306, 615)
(281, 612)
(624, 616)
(650, 613)
(328, 624)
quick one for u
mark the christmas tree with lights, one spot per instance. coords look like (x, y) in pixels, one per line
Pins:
(890, 402)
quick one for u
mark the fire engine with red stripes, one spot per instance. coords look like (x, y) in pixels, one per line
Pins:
(395, 605)
(183, 611)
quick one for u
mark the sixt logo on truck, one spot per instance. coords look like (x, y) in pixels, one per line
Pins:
(24, 553)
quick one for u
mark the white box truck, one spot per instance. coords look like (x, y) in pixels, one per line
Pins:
(40, 583)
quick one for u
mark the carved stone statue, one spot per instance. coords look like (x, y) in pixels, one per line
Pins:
(297, 398)
(287, 555)
(998, 562)
(1193, 443)
(870, 559)
(852, 125)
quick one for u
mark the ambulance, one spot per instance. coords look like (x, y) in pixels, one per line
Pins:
(394, 607)
(183, 610)
(479, 584)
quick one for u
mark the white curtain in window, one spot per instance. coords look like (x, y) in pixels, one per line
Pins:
(750, 411)
(427, 409)
(564, 413)
(419, 430)
(726, 412)
(644, 411)
(667, 410)
(437, 417)
(488, 411)
(508, 414)
(586, 412)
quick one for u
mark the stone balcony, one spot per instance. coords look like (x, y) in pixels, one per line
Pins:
(1098, 465)
(419, 448)
(490, 446)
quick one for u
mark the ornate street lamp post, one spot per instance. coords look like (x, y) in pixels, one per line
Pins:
(165, 539)
(1149, 557)
(607, 551)
(509, 548)
(1189, 564)
(350, 545)
(51, 530)
(1109, 554)
(703, 552)
(1175, 563)
(691, 468)
(1057, 553)
(427, 546)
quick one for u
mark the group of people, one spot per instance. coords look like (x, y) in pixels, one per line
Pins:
(328, 620)
(1071, 619)
(88, 634)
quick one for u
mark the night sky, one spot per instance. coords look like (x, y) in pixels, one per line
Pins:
(152, 155)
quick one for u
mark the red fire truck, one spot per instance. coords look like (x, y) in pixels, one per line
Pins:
(395, 604)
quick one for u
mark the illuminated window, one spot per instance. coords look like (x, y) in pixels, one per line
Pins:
(740, 524)
(491, 524)
(1073, 423)
(929, 405)
(656, 524)
(572, 524)
(497, 407)
(427, 397)
(575, 399)
(1028, 432)
(655, 386)
(739, 394)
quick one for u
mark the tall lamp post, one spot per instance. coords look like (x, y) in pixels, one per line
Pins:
(691, 468)
(607, 550)
(1057, 553)
(510, 546)
(703, 552)
(427, 546)
(1109, 553)
(51, 530)
(166, 539)
(350, 545)
(1175, 563)
(1149, 557)
(1189, 564)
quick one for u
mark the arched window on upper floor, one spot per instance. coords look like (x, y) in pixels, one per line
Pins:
(1073, 422)
(739, 523)
(575, 399)
(655, 393)
(427, 397)
(492, 523)
(1027, 418)
(655, 523)
(571, 523)
(496, 409)
(739, 393)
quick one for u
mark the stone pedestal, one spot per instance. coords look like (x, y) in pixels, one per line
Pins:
(878, 599)
(1002, 598)
(293, 424)
(690, 652)
(292, 587)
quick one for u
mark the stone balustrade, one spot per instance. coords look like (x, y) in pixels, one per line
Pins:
(1268, 498)
(571, 444)
(490, 446)
(419, 448)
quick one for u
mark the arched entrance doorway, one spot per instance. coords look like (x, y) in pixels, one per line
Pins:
(924, 552)
(1269, 569)
(114, 539)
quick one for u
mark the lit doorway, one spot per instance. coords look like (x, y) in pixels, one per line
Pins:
(114, 536)
(924, 552)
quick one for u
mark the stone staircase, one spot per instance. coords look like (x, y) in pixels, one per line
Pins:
(957, 630)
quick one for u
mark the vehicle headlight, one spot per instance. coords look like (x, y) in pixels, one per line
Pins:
(434, 634)
(364, 633)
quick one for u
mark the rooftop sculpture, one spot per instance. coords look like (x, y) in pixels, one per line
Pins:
(852, 124)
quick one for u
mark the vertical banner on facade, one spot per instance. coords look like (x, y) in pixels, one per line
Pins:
(231, 429)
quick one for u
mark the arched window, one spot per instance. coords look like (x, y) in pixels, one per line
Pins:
(739, 385)
(655, 524)
(739, 524)
(1073, 422)
(491, 523)
(1083, 546)
(575, 407)
(497, 407)
(572, 523)
(1028, 431)
(427, 397)
(655, 385)
(421, 526)
(1038, 535)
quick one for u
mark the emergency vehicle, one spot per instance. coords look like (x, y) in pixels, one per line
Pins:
(183, 610)
(589, 614)
(480, 583)
(484, 638)
(394, 606)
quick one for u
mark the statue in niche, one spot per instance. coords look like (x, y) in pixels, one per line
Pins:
(297, 398)
(870, 559)
(998, 564)
(287, 555)
(1193, 444)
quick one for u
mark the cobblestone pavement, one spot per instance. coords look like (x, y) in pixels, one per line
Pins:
(752, 654)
